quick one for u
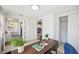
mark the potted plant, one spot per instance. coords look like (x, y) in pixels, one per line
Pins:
(46, 36)
(19, 43)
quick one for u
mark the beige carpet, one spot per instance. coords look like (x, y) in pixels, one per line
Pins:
(60, 49)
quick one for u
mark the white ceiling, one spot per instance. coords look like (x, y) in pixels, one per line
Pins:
(26, 11)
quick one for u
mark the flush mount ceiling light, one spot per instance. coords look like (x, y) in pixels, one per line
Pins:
(35, 7)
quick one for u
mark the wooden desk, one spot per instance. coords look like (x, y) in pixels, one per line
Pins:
(52, 45)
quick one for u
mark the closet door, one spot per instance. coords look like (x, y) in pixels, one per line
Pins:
(73, 30)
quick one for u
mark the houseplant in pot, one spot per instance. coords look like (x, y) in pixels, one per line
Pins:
(46, 36)
(19, 43)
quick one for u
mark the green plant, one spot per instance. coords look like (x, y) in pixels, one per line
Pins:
(46, 35)
(17, 42)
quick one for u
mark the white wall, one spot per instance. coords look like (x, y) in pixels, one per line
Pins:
(25, 29)
(48, 26)
(73, 30)
(29, 29)
(32, 29)
(56, 24)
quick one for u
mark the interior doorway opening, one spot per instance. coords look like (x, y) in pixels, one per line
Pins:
(63, 28)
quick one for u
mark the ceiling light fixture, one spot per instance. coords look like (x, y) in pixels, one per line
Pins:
(35, 7)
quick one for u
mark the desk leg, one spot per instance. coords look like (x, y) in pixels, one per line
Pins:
(56, 51)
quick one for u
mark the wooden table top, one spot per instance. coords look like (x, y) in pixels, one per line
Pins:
(51, 44)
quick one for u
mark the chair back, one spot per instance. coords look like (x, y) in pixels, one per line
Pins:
(69, 49)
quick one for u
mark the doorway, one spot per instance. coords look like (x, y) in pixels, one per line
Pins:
(63, 28)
